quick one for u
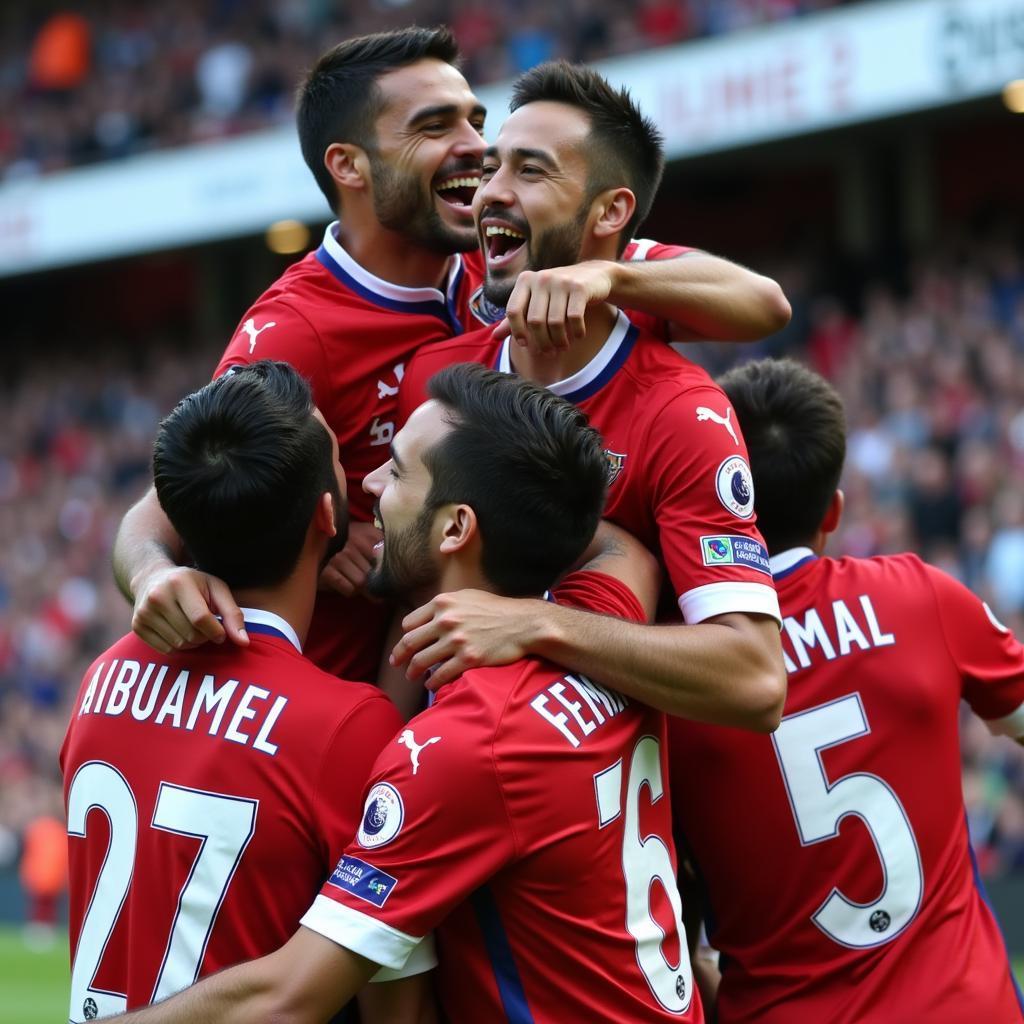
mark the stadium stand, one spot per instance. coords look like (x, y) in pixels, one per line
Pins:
(99, 80)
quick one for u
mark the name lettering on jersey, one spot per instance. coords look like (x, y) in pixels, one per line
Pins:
(704, 414)
(132, 687)
(407, 739)
(601, 704)
(363, 880)
(385, 390)
(835, 636)
(250, 328)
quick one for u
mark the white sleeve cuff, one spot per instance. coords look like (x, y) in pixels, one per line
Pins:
(721, 598)
(362, 934)
(1012, 725)
(423, 958)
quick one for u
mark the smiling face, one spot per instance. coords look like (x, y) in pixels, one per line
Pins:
(406, 560)
(533, 204)
(425, 163)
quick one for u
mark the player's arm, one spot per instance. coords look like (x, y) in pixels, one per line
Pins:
(175, 606)
(702, 297)
(406, 1001)
(303, 982)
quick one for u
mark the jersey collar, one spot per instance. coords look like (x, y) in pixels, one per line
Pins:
(259, 621)
(589, 380)
(787, 562)
(333, 256)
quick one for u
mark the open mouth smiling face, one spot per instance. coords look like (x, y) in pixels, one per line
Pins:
(456, 191)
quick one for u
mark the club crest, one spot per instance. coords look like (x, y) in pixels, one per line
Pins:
(616, 462)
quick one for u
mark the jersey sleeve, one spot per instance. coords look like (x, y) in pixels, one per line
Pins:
(599, 592)
(988, 656)
(434, 829)
(640, 250)
(347, 764)
(274, 329)
(413, 390)
(703, 501)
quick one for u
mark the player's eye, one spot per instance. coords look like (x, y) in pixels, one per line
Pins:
(488, 170)
(530, 171)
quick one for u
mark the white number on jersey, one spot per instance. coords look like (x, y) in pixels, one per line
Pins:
(819, 806)
(645, 858)
(381, 433)
(222, 824)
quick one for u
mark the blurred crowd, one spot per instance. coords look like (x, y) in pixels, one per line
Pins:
(89, 80)
(933, 382)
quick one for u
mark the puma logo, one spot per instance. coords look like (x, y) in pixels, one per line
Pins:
(407, 739)
(704, 413)
(250, 328)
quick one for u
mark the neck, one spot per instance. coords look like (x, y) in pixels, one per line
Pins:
(292, 599)
(391, 256)
(549, 369)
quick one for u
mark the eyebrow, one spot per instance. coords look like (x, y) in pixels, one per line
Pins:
(524, 153)
(445, 110)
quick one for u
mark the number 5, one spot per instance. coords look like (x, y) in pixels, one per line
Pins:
(819, 806)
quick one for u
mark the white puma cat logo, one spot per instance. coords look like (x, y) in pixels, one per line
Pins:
(250, 328)
(704, 413)
(407, 739)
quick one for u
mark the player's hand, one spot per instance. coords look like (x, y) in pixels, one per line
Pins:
(547, 309)
(346, 572)
(176, 608)
(462, 630)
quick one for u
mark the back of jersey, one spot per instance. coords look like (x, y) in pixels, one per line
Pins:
(834, 854)
(208, 793)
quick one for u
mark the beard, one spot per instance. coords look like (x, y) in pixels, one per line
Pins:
(406, 565)
(558, 246)
(402, 204)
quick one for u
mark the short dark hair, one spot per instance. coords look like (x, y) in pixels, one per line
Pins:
(795, 429)
(528, 464)
(239, 467)
(339, 99)
(624, 147)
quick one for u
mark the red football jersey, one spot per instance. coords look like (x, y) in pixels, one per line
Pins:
(862, 903)
(209, 793)
(524, 817)
(350, 334)
(677, 462)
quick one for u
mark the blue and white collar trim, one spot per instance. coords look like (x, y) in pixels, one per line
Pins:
(787, 562)
(588, 381)
(333, 256)
(259, 621)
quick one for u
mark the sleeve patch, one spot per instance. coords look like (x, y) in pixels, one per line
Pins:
(363, 880)
(734, 550)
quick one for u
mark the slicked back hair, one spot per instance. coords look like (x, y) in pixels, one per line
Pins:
(624, 147)
(339, 99)
(530, 467)
(239, 467)
(795, 429)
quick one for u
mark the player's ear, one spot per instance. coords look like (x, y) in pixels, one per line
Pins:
(323, 516)
(348, 165)
(611, 211)
(459, 528)
(833, 513)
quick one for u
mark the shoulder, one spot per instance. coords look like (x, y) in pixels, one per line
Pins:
(598, 592)
(639, 249)
(474, 347)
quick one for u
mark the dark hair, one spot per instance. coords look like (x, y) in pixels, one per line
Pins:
(339, 99)
(624, 146)
(795, 430)
(528, 464)
(239, 467)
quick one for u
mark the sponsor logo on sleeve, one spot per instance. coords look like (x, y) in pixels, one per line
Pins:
(735, 486)
(363, 880)
(382, 816)
(733, 550)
